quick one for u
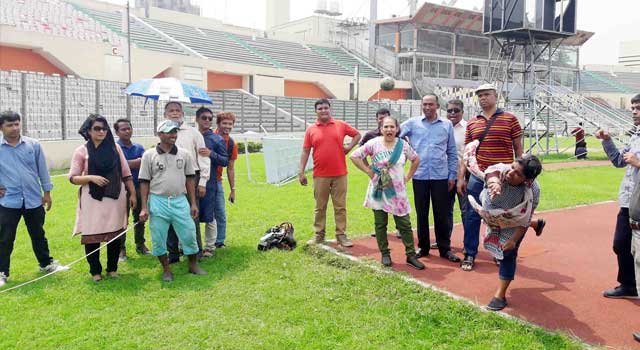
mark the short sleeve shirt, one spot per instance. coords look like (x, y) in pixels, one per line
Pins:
(233, 155)
(497, 146)
(131, 153)
(327, 143)
(166, 172)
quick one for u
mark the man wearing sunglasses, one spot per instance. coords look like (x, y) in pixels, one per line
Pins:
(217, 151)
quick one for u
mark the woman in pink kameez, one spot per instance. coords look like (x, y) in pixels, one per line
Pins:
(100, 168)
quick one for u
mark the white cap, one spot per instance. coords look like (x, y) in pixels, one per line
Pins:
(167, 126)
(485, 87)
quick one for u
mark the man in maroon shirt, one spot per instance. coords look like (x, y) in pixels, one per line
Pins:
(581, 145)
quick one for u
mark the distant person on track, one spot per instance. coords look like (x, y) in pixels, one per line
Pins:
(102, 171)
(326, 138)
(371, 134)
(581, 144)
(629, 158)
(387, 192)
(25, 191)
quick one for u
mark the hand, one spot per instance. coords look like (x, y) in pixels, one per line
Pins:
(451, 185)
(407, 179)
(144, 215)
(347, 149)
(303, 179)
(602, 135)
(2, 191)
(509, 245)
(133, 201)
(371, 174)
(194, 211)
(98, 180)
(462, 187)
(201, 191)
(232, 196)
(205, 152)
(46, 200)
(495, 188)
(631, 159)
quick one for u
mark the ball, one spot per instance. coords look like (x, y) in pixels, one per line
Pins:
(387, 84)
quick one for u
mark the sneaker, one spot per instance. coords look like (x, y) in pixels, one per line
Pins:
(620, 292)
(3, 279)
(220, 245)
(142, 249)
(386, 260)
(123, 256)
(317, 239)
(636, 336)
(497, 304)
(344, 241)
(54, 266)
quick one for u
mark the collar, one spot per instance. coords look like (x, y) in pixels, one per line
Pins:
(461, 124)
(3, 141)
(207, 132)
(424, 118)
(125, 146)
(173, 151)
(331, 121)
(499, 111)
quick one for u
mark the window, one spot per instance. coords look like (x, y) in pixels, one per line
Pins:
(472, 46)
(435, 42)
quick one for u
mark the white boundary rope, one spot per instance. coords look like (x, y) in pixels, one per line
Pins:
(68, 266)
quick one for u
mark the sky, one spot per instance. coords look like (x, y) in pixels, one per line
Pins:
(612, 20)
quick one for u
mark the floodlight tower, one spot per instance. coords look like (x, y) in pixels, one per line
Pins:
(526, 34)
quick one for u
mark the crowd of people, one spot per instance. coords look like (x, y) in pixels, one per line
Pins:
(177, 186)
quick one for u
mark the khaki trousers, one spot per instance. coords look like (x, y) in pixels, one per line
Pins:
(635, 251)
(336, 186)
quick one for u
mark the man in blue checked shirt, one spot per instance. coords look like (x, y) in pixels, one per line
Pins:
(23, 179)
(433, 138)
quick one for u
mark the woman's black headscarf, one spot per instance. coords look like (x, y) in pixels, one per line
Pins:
(104, 160)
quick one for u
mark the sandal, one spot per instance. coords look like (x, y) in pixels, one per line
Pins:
(541, 224)
(97, 278)
(467, 263)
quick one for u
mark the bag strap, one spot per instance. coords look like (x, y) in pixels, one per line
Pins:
(486, 131)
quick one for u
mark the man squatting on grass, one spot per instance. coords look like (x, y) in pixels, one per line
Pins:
(166, 174)
(25, 188)
(629, 158)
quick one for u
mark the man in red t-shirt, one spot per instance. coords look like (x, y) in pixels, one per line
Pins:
(581, 144)
(326, 137)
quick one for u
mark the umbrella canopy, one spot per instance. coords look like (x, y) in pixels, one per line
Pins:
(168, 89)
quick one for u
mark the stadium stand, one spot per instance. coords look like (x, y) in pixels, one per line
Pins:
(601, 82)
(55, 17)
(345, 60)
(141, 36)
(631, 81)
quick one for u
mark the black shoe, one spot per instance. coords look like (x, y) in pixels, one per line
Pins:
(468, 263)
(386, 260)
(541, 224)
(413, 261)
(220, 245)
(636, 336)
(373, 234)
(620, 292)
(451, 257)
(421, 253)
(497, 304)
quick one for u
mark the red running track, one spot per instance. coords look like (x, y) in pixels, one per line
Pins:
(559, 279)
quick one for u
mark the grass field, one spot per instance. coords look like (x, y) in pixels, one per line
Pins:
(305, 299)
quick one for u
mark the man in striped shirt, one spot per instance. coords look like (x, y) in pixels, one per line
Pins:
(499, 144)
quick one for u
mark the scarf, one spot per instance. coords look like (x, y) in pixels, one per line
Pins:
(385, 184)
(104, 161)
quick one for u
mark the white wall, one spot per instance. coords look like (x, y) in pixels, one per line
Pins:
(630, 54)
(268, 85)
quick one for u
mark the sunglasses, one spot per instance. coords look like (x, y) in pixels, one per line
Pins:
(207, 118)
(454, 110)
(99, 128)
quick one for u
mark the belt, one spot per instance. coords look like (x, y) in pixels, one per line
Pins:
(635, 225)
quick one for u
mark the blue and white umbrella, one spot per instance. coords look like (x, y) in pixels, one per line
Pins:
(168, 89)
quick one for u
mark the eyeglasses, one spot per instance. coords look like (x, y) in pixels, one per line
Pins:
(453, 110)
(99, 129)
(207, 118)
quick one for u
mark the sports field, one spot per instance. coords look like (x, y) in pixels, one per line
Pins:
(305, 299)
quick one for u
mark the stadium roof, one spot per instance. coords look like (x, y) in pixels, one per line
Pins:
(453, 18)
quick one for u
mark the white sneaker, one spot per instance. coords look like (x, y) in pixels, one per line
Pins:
(3, 279)
(54, 267)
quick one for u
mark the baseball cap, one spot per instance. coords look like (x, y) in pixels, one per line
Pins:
(485, 87)
(167, 126)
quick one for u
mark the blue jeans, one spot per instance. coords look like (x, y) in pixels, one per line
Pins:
(507, 270)
(220, 214)
(471, 219)
(462, 202)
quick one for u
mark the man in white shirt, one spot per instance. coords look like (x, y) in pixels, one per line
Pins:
(455, 112)
(191, 140)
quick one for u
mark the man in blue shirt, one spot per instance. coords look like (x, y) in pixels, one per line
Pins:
(217, 151)
(23, 179)
(434, 140)
(133, 153)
